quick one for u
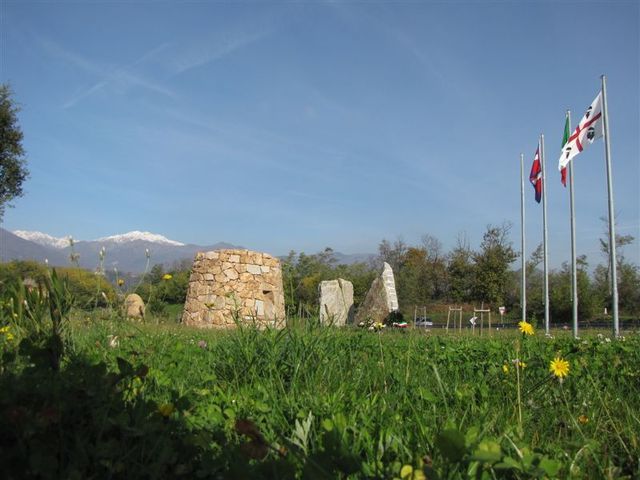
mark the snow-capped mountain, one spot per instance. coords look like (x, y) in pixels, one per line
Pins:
(63, 242)
(128, 252)
(43, 239)
(137, 236)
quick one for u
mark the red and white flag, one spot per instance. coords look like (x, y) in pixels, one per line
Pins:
(588, 130)
(535, 177)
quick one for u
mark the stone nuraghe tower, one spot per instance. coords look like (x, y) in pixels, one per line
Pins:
(234, 285)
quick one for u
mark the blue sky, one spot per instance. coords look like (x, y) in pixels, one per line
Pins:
(300, 125)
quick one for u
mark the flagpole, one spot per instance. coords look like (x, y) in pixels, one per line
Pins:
(612, 233)
(523, 292)
(574, 267)
(544, 236)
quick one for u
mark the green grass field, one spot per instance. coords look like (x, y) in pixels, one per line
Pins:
(161, 401)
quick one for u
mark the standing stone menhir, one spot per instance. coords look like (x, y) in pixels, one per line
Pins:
(381, 300)
(336, 302)
(234, 285)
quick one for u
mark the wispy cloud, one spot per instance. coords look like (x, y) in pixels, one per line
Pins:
(119, 78)
(209, 50)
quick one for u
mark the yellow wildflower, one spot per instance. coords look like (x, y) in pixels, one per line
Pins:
(583, 419)
(505, 368)
(526, 327)
(4, 329)
(120, 282)
(559, 367)
(166, 409)
(409, 473)
(167, 276)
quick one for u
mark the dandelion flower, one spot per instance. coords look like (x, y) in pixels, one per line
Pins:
(583, 419)
(166, 409)
(559, 367)
(525, 327)
(167, 276)
(120, 282)
(505, 368)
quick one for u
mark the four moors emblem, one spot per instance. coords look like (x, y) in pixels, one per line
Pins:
(588, 130)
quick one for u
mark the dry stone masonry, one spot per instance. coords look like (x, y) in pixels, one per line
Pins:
(240, 284)
(336, 302)
(381, 299)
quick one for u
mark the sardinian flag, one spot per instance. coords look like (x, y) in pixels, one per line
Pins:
(535, 177)
(589, 129)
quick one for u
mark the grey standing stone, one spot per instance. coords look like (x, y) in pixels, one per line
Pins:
(381, 299)
(390, 287)
(336, 302)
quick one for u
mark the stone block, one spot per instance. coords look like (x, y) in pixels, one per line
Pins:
(336, 302)
(254, 269)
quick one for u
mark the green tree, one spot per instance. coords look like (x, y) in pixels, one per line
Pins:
(535, 286)
(629, 289)
(628, 276)
(460, 271)
(492, 264)
(361, 275)
(561, 307)
(13, 170)
(411, 278)
(436, 271)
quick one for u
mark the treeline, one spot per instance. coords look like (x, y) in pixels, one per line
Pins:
(428, 276)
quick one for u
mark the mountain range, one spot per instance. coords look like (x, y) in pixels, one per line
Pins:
(126, 252)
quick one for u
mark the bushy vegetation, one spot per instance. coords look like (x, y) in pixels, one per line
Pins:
(88, 398)
(90, 290)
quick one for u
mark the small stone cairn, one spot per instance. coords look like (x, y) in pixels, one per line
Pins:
(234, 285)
(336, 302)
(381, 300)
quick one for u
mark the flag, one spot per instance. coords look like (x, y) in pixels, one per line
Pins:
(535, 177)
(565, 139)
(589, 129)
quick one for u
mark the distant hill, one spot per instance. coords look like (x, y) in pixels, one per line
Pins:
(126, 252)
(350, 259)
(13, 247)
